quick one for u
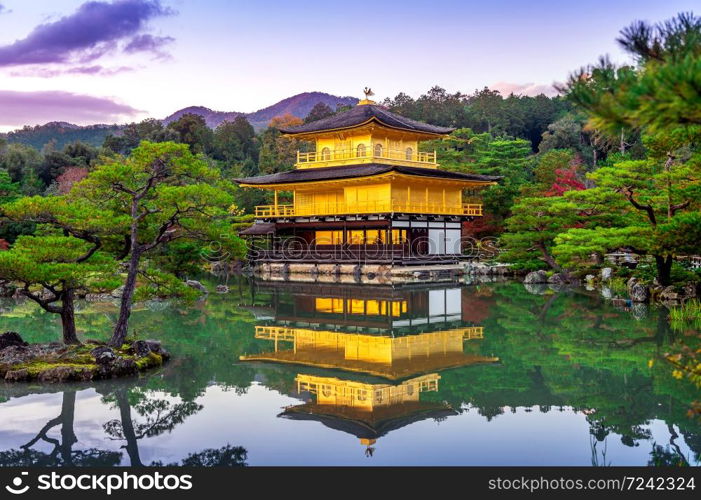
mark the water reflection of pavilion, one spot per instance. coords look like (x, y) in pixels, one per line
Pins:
(367, 411)
(389, 333)
(403, 336)
(393, 358)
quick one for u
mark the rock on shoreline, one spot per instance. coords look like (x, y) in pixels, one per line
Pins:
(55, 362)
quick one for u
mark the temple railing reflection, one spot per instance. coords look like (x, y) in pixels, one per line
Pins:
(393, 358)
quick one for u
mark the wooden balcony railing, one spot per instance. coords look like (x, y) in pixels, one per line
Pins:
(275, 333)
(371, 207)
(326, 156)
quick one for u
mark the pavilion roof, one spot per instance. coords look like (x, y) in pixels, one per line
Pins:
(362, 170)
(368, 425)
(363, 114)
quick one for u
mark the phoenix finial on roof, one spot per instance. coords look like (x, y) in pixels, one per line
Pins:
(368, 92)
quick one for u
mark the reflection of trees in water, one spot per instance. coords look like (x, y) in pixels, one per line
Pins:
(594, 442)
(141, 415)
(667, 456)
(226, 456)
(62, 453)
(158, 416)
(571, 350)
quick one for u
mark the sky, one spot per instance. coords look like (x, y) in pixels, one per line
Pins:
(115, 61)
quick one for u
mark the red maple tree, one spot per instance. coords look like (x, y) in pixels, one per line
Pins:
(566, 179)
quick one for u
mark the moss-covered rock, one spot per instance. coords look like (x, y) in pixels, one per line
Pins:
(52, 363)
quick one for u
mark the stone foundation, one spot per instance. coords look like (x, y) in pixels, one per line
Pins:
(358, 273)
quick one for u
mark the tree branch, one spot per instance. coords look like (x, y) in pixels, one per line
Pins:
(44, 303)
(125, 249)
(159, 172)
(42, 433)
(628, 193)
(679, 206)
(89, 253)
(148, 212)
(118, 186)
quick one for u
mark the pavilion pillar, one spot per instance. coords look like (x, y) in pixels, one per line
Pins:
(275, 202)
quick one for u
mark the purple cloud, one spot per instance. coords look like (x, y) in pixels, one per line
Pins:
(21, 108)
(149, 43)
(3, 9)
(44, 72)
(98, 70)
(93, 30)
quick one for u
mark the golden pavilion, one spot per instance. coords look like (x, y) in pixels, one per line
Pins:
(367, 194)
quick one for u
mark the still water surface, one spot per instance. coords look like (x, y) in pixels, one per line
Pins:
(283, 374)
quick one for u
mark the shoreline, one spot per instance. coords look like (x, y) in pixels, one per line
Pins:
(53, 362)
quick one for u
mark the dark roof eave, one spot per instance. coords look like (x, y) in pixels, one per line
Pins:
(355, 171)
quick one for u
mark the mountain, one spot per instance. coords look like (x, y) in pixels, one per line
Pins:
(213, 118)
(61, 132)
(298, 105)
(64, 133)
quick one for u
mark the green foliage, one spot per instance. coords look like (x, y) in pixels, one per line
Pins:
(157, 284)
(484, 111)
(182, 184)
(234, 142)
(74, 215)
(681, 235)
(19, 160)
(54, 260)
(53, 269)
(548, 163)
(130, 137)
(319, 111)
(688, 312)
(277, 153)
(659, 98)
(576, 246)
(9, 190)
(181, 258)
(510, 159)
(61, 134)
(191, 129)
(653, 208)
(531, 230)
(9, 231)
(164, 193)
(480, 153)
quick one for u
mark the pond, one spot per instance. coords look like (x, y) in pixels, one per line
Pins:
(331, 374)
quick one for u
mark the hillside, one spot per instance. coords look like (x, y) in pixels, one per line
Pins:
(63, 133)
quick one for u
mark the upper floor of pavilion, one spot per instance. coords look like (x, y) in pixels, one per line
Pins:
(367, 133)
